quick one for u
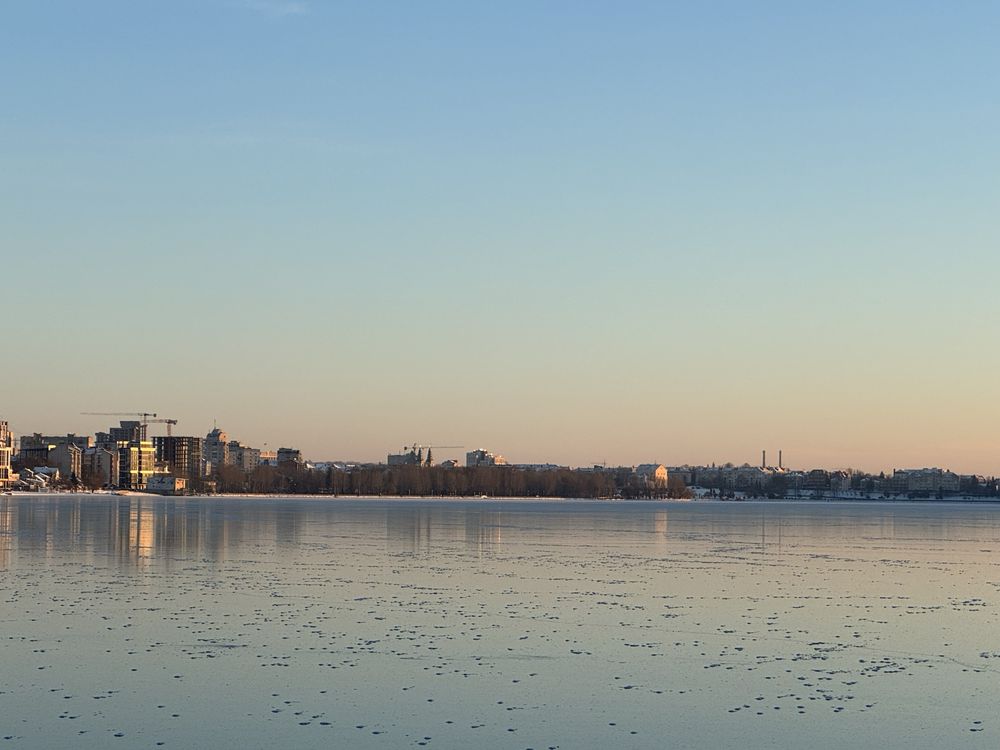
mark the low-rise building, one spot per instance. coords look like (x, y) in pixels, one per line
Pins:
(683, 473)
(63, 452)
(654, 475)
(164, 484)
(926, 481)
(840, 481)
(816, 480)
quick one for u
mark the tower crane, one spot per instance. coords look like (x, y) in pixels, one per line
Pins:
(168, 422)
(418, 446)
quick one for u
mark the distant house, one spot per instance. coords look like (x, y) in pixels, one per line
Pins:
(164, 484)
(922, 481)
(654, 475)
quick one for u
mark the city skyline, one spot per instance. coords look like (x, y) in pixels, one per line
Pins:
(573, 232)
(767, 457)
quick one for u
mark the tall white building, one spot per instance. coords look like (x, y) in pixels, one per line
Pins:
(216, 449)
(6, 451)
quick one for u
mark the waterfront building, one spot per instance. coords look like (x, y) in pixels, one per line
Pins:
(100, 467)
(182, 455)
(683, 473)
(216, 448)
(654, 475)
(37, 440)
(840, 481)
(289, 455)
(243, 456)
(68, 458)
(165, 484)
(63, 452)
(32, 455)
(136, 455)
(407, 458)
(816, 480)
(268, 458)
(7, 477)
(925, 481)
(136, 463)
(482, 457)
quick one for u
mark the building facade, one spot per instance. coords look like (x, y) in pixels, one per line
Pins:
(6, 453)
(289, 455)
(243, 456)
(68, 458)
(167, 485)
(37, 440)
(100, 467)
(182, 455)
(482, 457)
(136, 463)
(216, 449)
(654, 475)
(925, 481)
(407, 458)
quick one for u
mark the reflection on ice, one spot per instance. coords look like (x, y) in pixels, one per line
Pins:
(377, 623)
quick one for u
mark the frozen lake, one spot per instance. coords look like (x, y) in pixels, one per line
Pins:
(139, 622)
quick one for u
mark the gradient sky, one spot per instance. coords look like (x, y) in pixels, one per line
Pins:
(566, 231)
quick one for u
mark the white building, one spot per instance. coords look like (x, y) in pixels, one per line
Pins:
(482, 457)
(655, 475)
(243, 456)
(166, 485)
(927, 480)
(7, 477)
(215, 449)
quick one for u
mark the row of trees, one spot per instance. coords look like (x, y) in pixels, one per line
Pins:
(492, 481)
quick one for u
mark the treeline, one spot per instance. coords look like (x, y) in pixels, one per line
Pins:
(492, 481)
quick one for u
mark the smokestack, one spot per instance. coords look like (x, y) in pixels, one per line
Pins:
(779, 460)
(763, 459)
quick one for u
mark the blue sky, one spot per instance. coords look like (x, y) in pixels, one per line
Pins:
(568, 231)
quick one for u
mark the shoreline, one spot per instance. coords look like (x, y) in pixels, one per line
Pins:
(957, 500)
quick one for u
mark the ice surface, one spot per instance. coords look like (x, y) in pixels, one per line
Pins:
(231, 623)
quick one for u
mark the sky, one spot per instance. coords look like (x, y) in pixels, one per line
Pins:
(566, 231)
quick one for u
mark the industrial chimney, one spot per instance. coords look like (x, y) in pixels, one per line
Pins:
(779, 460)
(763, 459)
